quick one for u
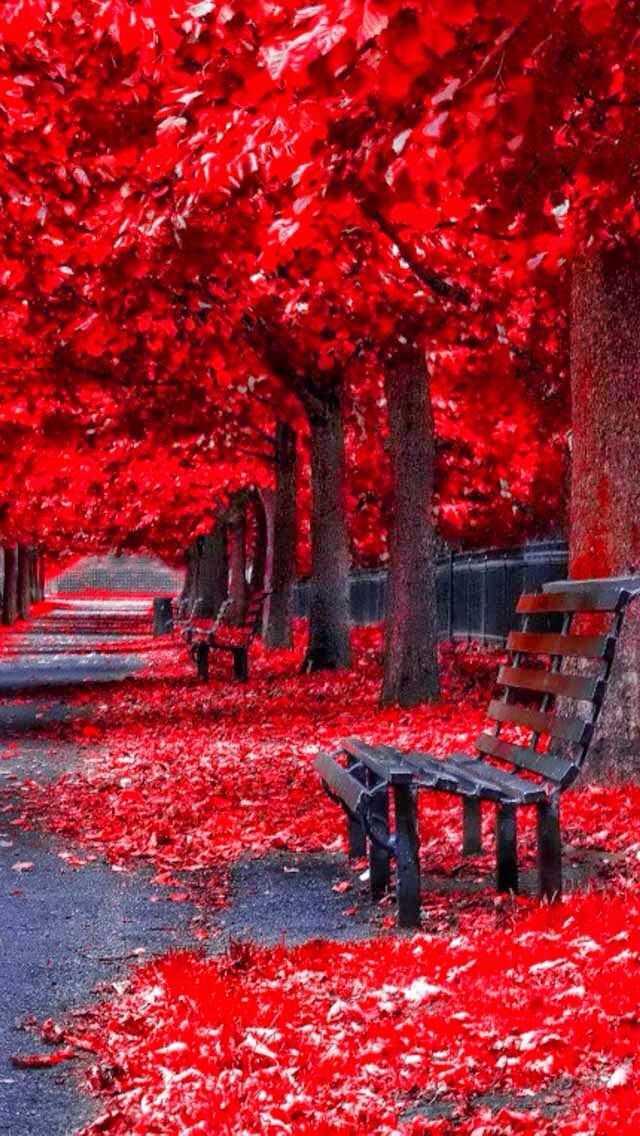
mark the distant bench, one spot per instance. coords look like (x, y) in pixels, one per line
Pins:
(538, 696)
(203, 637)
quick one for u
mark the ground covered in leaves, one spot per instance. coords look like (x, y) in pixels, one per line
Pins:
(499, 1017)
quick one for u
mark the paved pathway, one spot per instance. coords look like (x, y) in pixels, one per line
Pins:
(65, 930)
(62, 930)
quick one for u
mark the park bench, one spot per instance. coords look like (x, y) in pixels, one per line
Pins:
(552, 689)
(232, 639)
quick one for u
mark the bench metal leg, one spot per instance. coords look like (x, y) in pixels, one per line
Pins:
(506, 848)
(549, 849)
(406, 851)
(471, 827)
(202, 661)
(378, 857)
(356, 835)
(241, 663)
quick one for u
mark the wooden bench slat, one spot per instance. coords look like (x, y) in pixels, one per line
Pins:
(572, 729)
(582, 688)
(469, 776)
(581, 646)
(384, 761)
(516, 788)
(557, 769)
(591, 599)
(340, 782)
(253, 611)
(435, 773)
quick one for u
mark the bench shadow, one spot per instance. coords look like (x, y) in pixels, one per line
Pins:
(582, 869)
(290, 898)
(294, 898)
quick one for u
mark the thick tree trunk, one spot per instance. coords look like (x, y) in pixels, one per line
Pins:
(411, 636)
(605, 481)
(33, 574)
(329, 646)
(24, 580)
(214, 572)
(187, 594)
(10, 589)
(280, 578)
(258, 566)
(237, 528)
(41, 575)
(267, 500)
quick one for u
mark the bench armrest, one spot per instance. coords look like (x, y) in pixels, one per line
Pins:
(341, 785)
(386, 763)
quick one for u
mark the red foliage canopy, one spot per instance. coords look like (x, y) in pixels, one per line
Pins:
(184, 187)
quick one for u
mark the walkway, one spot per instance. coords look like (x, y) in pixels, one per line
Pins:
(62, 930)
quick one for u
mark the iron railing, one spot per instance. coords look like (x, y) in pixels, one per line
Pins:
(477, 591)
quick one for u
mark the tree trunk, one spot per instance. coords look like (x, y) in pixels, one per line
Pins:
(258, 567)
(41, 575)
(24, 580)
(189, 593)
(605, 480)
(283, 550)
(33, 574)
(10, 589)
(411, 634)
(237, 527)
(214, 572)
(328, 646)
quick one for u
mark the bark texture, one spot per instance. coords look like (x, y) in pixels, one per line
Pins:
(33, 575)
(238, 592)
(213, 571)
(282, 558)
(24, 581)
(605, 482)
(258, 566)
(410, 655)
(10, 589)
(187, 594)
(329, 646)
(42, 575)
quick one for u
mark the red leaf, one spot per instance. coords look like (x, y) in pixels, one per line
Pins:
(42, 1060)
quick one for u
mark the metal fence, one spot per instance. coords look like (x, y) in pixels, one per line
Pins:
(477, 592)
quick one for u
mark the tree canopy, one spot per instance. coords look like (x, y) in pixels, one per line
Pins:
(214, 212)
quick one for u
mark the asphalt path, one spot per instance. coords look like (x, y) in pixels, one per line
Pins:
(64, 931)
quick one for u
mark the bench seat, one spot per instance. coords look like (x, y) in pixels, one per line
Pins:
(463, 774)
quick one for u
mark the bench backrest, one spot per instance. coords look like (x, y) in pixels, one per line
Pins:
(251, 623)
(548, 673)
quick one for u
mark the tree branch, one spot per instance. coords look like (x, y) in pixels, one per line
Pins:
(256, 454)
(279, 363)
(268, 438)
(433, 280)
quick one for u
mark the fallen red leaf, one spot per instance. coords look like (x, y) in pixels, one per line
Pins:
(42, 1060)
